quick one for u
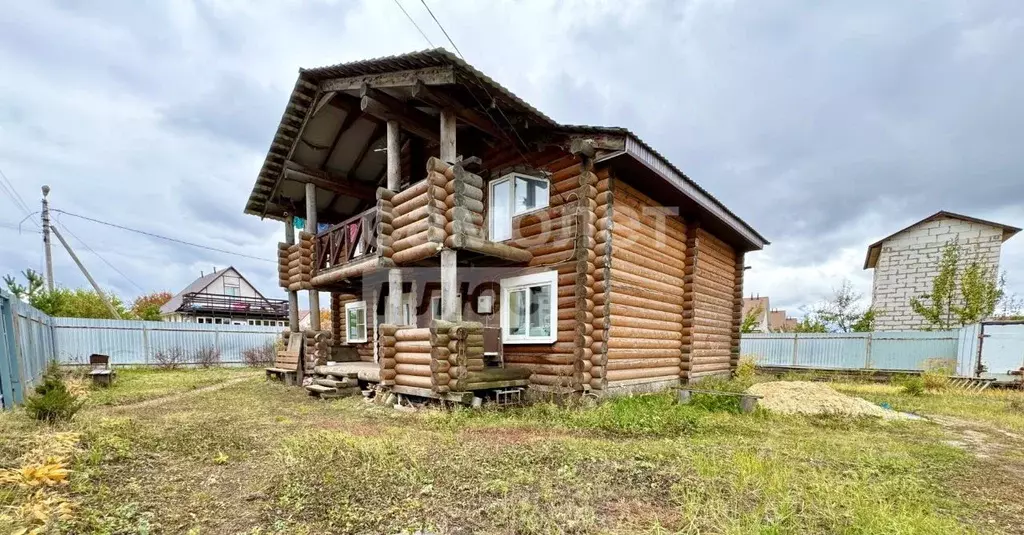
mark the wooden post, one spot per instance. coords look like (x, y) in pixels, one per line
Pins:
(314, 296)
(394, 170)
(293, 297)
(448, 153)
(450, 308)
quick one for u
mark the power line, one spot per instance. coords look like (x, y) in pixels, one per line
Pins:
(19, 201)
(11, 226)
(486, 92)
(152, 235)
(424, 2)
(414, 23)
(91, 250)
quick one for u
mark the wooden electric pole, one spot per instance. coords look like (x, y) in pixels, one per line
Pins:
(81, 266)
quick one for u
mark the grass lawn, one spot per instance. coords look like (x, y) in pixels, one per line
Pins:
(140, 384)
(258, 458)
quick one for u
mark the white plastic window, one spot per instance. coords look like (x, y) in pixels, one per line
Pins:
(511, 195)
(529, 308)
(355, 321)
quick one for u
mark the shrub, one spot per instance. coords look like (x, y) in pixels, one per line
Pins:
(913, 386)
(260, 356)
(746, 369)
(936, 378)
(169, 359)
(52, 401)
(207, 356)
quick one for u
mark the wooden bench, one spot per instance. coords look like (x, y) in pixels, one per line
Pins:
(286, 363)
(748, 402)
(101, 372)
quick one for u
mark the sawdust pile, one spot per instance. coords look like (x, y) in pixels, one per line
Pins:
(803, 397)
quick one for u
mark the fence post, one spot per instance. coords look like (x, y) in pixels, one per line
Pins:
(867, 356)
(796, 336)
(145, 344)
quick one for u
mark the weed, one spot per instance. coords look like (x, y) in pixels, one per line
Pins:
(913, 385)
(52, 401)
(746, 370)
(207, 357)
(260, 356)
(170, 358)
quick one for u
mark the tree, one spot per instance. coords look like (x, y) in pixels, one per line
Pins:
(810, 324)
(35, 285)
(147, 307)
(78, 303)
(959, 296)
(842, 312)
(751, 320)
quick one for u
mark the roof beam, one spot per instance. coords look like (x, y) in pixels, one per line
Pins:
(350, 118)
(482, 122)
(329, 181)
(443, 75)
(377, 135)
(384, 106)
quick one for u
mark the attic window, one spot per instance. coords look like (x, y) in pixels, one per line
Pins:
(511, 195)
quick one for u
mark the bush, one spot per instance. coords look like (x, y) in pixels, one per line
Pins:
(913, 386)
(260, 356)
(207, 357)
(52, 401)
(936, 378)
(746, 369)
(169, 359)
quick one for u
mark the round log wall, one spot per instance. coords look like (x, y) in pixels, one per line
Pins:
(713, 279)
(387, 360)
(643, 250)
(551, 236)
(418, 221)
(385, 219)
(295, 263)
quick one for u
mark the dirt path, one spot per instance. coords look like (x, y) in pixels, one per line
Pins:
(174, 397)
(999, 483)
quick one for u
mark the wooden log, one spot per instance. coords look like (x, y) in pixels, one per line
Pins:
(417, 253)
(413, 380)
(404, 335)
(643, 364)
(413, 346)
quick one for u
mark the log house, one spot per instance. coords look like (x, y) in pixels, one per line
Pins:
(451, 212)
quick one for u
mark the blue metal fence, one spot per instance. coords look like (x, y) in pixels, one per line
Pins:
(895, 351)
(26, 346)
(141, 342)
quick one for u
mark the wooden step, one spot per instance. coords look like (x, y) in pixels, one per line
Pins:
(345, 382)
(329, 392)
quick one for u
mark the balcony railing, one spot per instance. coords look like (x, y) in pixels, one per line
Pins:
(233, 304)
(349, 240)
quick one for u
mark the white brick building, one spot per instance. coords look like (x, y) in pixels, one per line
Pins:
(906, 262)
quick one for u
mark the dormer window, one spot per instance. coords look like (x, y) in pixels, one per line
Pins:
(512, 195)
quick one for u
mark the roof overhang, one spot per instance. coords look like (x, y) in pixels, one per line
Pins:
(636, 158)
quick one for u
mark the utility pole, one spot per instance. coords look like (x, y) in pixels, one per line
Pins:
(103, 296)
(46, 238)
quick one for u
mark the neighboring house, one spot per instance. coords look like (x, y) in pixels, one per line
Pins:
(779, 322)
(907, 261)
(588, 259)
(760, 306)
(224, 297)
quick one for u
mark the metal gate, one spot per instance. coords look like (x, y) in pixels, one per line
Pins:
(1001, 351)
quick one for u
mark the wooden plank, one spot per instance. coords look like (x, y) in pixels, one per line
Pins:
(384, 106)
(443, 75)
(329, 181)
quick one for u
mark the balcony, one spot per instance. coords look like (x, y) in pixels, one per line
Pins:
(348, 248)
(233, 304)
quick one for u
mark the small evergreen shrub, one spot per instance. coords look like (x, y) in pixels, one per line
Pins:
(52, 401)
(913, 386)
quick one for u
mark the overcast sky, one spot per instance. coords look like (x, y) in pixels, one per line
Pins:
(825, 125)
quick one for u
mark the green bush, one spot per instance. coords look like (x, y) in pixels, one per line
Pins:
(913, 385)
(746, 369)
(52, 401)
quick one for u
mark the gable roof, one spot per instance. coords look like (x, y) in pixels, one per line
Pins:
(201, 284)
(876, 248)
(307, 98)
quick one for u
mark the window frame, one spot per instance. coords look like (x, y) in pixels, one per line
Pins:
(349, 307)
(524, 282)
(510, 178)
(437, 299)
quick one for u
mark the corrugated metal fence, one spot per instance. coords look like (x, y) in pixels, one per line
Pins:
(26, 346)
(143, 342)
(29, 340)
(895, 351)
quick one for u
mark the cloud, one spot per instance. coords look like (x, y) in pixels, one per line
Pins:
(824, 125)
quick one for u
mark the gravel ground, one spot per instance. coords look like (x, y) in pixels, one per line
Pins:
(803, 397)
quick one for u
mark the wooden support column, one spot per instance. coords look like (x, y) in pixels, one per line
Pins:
(450, 307)
(314, 296)
(293, 296)
(393, 314)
